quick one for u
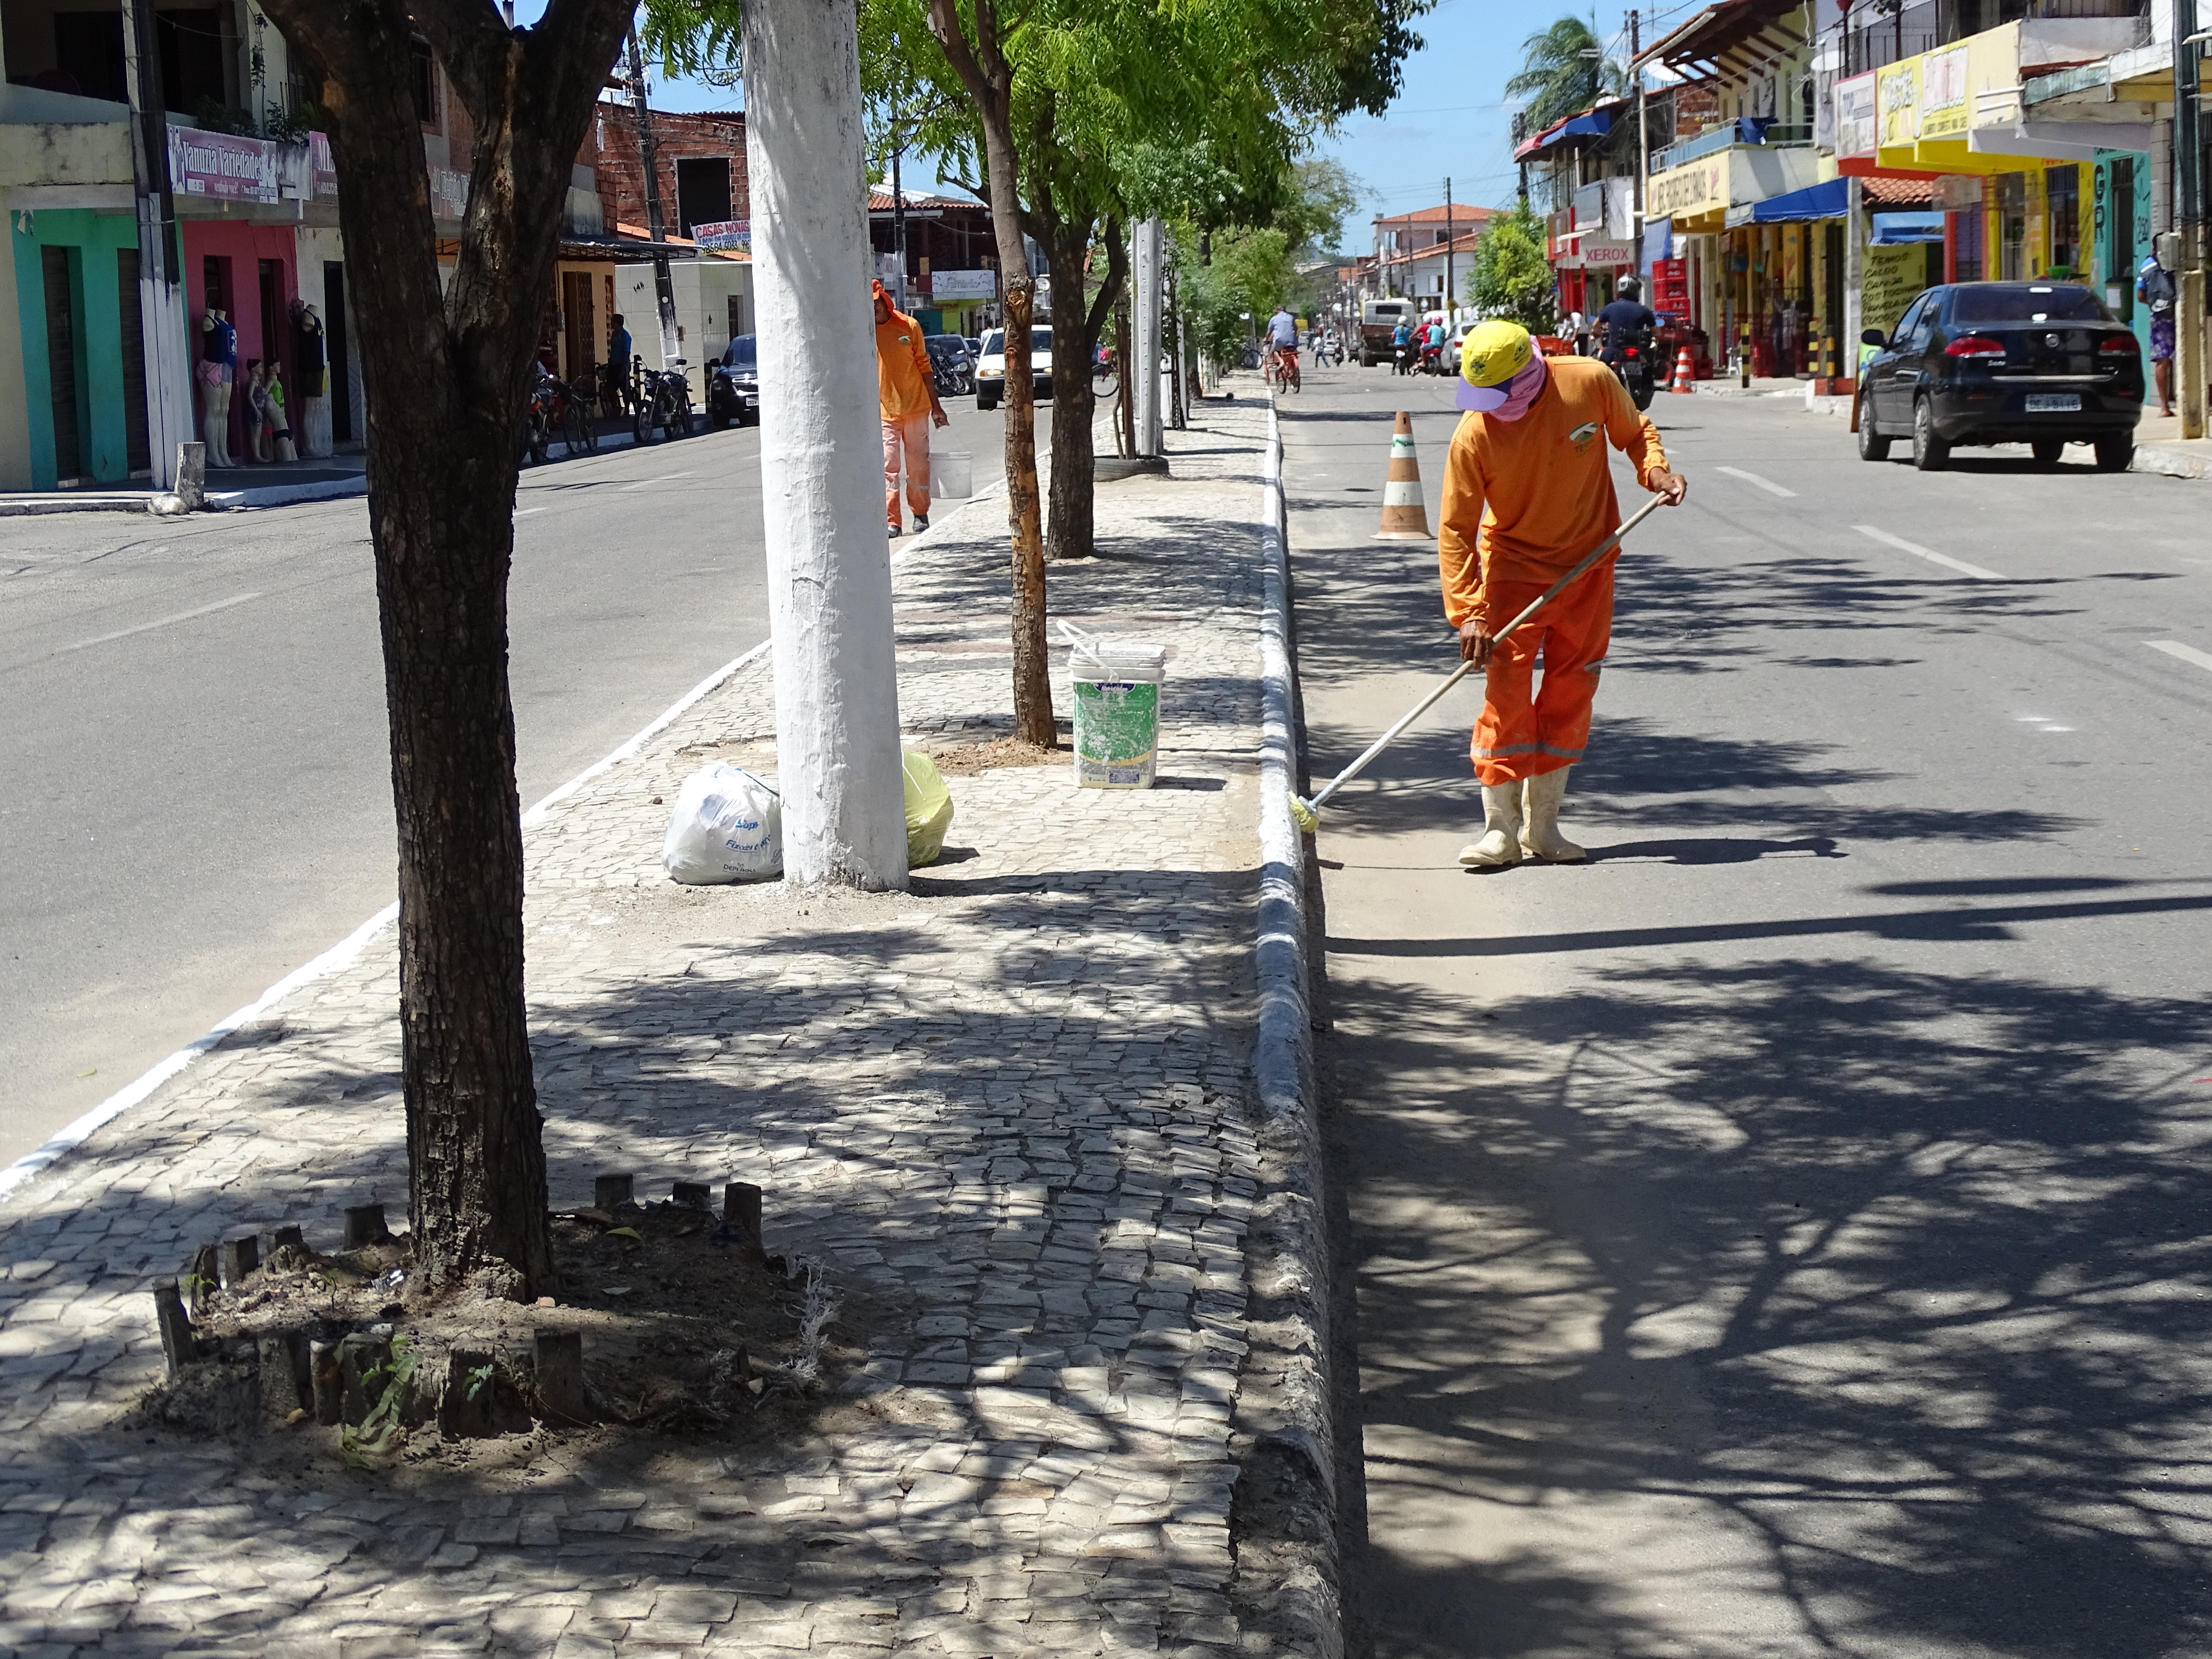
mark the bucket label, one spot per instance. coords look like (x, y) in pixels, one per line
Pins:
(1117, 722)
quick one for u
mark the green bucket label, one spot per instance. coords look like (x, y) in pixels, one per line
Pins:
(1117, 722)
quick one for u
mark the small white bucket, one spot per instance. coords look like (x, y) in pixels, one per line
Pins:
(950, 475)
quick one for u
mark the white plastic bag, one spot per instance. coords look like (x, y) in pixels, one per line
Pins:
(727, 825)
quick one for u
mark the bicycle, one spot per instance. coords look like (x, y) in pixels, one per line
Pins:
(1282, 368)
(1105, 375)
(664, 402)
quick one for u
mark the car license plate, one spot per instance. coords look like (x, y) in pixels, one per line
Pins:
(2053, 402)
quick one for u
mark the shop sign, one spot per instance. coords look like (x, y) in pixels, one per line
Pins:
(963, 284)
(449, 194)
(223, 165)
(1858, 130)
(1894, 276)
(725, 236)
(1993, 77)
(1897, 99)
(1944, 106)
(1597, 254)
(1694, 187)
(1956, 192)
(322, 169)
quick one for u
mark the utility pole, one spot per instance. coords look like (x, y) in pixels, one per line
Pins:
(898, 209)
(1145, 372)
(2189, 215)
(830, 576)
(160, 294)
(1643, 138)
(1448, 253)
(664, 289)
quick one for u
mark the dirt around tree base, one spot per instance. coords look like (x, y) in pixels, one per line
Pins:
(670, 1322)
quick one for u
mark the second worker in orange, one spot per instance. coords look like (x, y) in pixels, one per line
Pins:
(1528, 491)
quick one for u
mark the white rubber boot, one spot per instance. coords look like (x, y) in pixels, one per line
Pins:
(1540, 838)
(1500, 843)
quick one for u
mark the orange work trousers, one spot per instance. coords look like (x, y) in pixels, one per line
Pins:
(1520, 736)
(911, 436)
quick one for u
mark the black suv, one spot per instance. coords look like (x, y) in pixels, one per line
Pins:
(733, 385)
(2039, 363)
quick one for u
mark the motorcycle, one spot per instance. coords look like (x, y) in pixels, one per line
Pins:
(1406, 358)
(1634, 368)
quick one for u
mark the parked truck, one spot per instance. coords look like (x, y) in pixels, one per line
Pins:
(1378, 320)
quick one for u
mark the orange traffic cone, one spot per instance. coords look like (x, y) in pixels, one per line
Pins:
(1686, 372)
(1404, 515)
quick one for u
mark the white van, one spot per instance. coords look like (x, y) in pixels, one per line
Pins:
(991, 365)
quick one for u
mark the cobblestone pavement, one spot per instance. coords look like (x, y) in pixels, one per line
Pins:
(1012, 1106)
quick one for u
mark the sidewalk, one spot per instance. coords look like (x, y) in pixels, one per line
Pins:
(1014, 1112)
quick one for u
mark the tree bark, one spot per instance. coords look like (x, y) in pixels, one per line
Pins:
(1076, 329)
(989, 80)
(829, 573)
(446, 378)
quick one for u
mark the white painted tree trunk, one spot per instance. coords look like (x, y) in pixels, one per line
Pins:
(1145, 276)
(828, 558)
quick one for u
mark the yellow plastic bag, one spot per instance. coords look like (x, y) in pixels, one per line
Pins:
(928, 809)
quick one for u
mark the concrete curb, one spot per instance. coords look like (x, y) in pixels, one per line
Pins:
(1289, 1568)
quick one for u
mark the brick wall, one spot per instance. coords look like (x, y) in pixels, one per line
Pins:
(611, 146)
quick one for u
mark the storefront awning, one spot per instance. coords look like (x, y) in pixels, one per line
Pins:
(1898, 229)
(1592, 123)
(1823, 201)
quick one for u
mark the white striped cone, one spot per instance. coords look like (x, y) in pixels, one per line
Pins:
(1686, 372)
(1405, 515)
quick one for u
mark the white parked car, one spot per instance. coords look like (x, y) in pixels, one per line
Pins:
(991, 366)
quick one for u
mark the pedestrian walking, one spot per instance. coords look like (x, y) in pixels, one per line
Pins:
(2156, 288)
(1528, 491)
(619, 352)
(906, 388)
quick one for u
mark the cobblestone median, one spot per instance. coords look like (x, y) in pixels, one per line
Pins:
(1012, 1106)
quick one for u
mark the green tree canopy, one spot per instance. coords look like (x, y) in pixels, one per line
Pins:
(1511, 277)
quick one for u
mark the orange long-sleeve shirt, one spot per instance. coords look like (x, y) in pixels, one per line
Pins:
(1523, 500)
(904, 374)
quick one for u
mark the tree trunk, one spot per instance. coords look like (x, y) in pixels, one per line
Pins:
(446, 375)
(989, 80)
(1076, 329)
(829, 574)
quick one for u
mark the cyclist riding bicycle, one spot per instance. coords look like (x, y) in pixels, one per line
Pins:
(1282, 334)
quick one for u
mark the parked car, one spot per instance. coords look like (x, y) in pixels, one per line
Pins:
(2039, 363)
(733, 385)
(955, 369)
(991, 365)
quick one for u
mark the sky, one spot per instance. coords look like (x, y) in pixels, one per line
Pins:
(1451, 117)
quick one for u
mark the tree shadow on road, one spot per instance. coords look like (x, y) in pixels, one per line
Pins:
(1863, 1310)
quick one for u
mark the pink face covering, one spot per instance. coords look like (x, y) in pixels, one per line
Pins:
(1509, 402)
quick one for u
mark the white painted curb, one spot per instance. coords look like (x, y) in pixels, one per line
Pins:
(1281, 1060)
(341, 954)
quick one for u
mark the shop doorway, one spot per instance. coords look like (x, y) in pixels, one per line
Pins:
(55, 266)
(578, 334)
(272, 313)
(137, 443)
(336, 328)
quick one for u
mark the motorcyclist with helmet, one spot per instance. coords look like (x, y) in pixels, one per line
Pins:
(1626, 321)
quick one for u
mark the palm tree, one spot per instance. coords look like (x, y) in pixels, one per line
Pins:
(1564, 69)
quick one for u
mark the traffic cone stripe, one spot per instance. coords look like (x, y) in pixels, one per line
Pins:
(1404, 515)
(1686, 372)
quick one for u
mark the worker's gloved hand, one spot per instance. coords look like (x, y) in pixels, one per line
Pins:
(1673, 485)
(1474, 642)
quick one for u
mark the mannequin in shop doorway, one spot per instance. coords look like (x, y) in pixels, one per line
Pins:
(218, 369)
(315, 424)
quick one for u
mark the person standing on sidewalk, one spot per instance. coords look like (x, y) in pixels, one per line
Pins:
(1528, 491)
(906, 386)
(2156, 288)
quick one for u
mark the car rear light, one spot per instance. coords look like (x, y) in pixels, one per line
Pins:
(2119, 345)
(1975, 345)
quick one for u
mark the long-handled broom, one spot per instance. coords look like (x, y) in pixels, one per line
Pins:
(1307, 813)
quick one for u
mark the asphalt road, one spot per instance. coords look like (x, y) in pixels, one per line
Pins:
(1784, 1234)
(198, 794)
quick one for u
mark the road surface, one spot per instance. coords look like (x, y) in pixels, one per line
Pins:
(197, 792)
(1784, 1235)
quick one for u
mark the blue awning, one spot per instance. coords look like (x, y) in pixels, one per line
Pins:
(1826, 200)
(1897, 229)
(1591, 122)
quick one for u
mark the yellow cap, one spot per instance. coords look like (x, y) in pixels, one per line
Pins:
(1494, 352)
